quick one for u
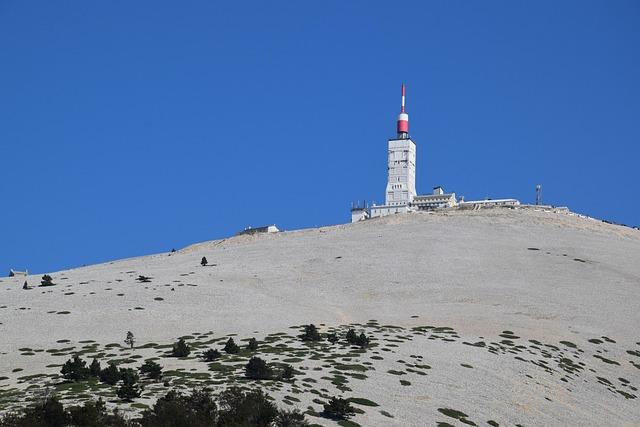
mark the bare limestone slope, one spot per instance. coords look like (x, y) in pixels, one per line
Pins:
(543, 311)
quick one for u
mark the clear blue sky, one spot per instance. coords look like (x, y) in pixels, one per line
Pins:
(128, 128)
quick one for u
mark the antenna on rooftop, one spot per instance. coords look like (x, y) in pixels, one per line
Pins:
(538, 194)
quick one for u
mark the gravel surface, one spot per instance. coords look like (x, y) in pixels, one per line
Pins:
(543, 276)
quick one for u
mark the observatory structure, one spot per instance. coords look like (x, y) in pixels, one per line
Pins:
(400, 194)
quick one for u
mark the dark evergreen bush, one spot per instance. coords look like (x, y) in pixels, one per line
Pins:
(253, 408)
(211, 354)
(47, 281)
(293, 418)
(204, 261)
(129, 388)
(75, 369)
(177, 410)
(94, 368)
(94, 414)
(287, 372)
(257, 369)
(311, 333)
(110, 375)
(362, 340)
(235, 407)
(151, 369)
(351, 336)
(129, 375)
(338, 408)
(332, 338)
(253, 344)
(48, 412)
(180, 349)
(128, 391)
(130, 340)
(231, 347)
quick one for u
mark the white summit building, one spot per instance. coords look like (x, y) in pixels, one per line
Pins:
(401, 195)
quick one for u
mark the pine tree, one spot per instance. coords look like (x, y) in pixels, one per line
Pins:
(338, 408)
(46, 281)
(130, 340)
(311, 333)
(253, 344)
(293, 418)
(203, 261)
(128, 391)
(287, 372)
(110, 375)
(75, 369)
(351, 336)
(180, 349)
(257, 369)
(151, 369)
(94, 368)
(231, 347)
(211, 354)
(362, 340)
(332, 338)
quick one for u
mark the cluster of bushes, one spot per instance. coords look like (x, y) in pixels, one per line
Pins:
(75, 369)
(311, 333)
(180, 349)
(211, 354)
(49, 412)
(339, 409)
(230, 347)
(46, 281)
(258, 369)
(360, 340)
(234, 407)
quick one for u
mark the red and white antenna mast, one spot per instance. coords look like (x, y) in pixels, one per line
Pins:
(403, 119)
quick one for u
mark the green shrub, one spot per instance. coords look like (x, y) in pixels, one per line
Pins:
(203, 261)
(231, 347)
(180, 349)
(94, 414)
(151, 369)
(311, 333)
(252, 408)
(110, 375)
(129, 388)
(211, 354)
(130, 339)
(332, 338)
(128, 391)
(338, 408)
(253, 344)
(287, 372)
(293, 418)
(94, 368)
(129, 375)
(176, 410)
(362, 340)
(47, 281)
(257, 369)
(46, 413)
(75, 369)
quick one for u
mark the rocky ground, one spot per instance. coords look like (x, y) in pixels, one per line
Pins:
(515, 316)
